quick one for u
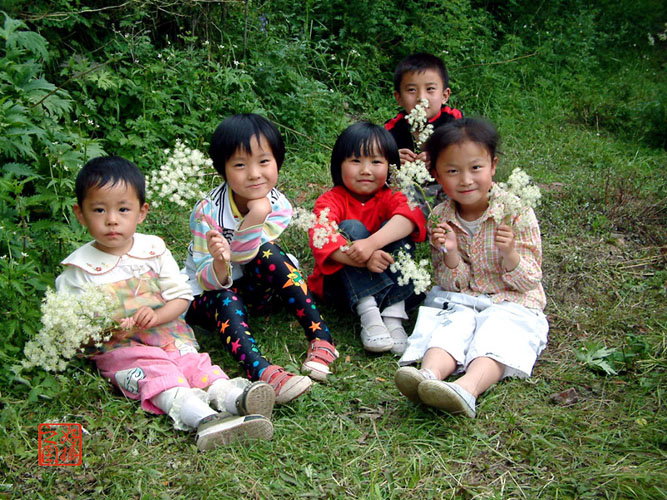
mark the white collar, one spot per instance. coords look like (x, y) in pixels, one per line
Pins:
(94, 261)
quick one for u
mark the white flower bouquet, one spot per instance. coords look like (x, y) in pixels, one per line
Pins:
(70, 322)
(324, 230)
(181, 179)
(511, 199)
(409, 270)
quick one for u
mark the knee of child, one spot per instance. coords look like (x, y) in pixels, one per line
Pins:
(354, 229)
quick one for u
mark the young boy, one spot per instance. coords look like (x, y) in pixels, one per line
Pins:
(152, 356)
(420, 76)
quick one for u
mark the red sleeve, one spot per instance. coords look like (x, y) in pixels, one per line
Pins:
(397, 204)
(336, 206)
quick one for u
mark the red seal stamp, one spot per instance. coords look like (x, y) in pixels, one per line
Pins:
(60, 444)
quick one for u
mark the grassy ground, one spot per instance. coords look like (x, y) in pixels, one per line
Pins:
(603, 223)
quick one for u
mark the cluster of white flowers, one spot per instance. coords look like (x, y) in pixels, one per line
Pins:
(70, 321)
(419, 122)
(324, 230)
(411, 271)
(510, 199)
(409, 179)
(181, 180)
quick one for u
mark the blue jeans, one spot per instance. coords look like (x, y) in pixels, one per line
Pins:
(350, 284)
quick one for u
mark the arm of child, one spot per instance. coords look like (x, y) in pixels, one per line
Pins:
(523, 271)
(201, 223)
(218, 247)
(263, 222)
(145, 317)
(451, 272)
(396, 228)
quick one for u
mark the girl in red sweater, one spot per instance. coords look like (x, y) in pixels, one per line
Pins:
(353, 270)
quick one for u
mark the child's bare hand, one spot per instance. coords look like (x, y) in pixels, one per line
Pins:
(218, 246)
(406, 155)
(126, 323)
(504, 240)
(260, 206)
(505, 243)
(145, 317)
(379, 261)
(443, 235)
(360, 251)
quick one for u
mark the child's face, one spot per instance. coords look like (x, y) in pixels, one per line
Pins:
(251, 176)
(465, 172)
(364, 176)
(111, 214)
(425, 85)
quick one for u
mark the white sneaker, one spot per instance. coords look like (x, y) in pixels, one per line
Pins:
(376, 338)
(447, 396)
(223, 428)
(407, 379)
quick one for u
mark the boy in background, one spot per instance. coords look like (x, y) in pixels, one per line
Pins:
(420, 76)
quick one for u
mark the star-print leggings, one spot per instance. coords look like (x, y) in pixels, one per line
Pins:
(270, 273)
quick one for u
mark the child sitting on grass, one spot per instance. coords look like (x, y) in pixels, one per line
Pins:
(153, 356)
(419, 76)
(234, 260)
(486, 319)
(378, 222)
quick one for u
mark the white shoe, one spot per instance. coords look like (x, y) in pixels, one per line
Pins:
(400, 339)
(223, 428)
(407, 379)
(447, 396)
(376, 338)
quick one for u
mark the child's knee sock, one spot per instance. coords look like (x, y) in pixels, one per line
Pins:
(225, 392)
(186, 406)
(368, 312)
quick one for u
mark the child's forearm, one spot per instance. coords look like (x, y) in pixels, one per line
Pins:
(342, 258)
(396, 228)
(171, 310)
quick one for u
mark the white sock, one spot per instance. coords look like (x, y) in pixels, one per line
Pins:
(392, 323)
(186, 406)
(368, 312)
(396, 310)
(223, 394)
(428, 374)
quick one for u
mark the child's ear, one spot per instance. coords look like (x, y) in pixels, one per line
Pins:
(494, 162)
(143, 212)
(397, 96)
(445, 95)
(79, 215)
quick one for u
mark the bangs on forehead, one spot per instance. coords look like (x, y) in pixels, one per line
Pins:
(369, 146)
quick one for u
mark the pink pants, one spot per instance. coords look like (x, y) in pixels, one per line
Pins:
(141, 372)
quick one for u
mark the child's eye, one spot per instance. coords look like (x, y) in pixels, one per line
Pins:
(98, 210)
(124, 209)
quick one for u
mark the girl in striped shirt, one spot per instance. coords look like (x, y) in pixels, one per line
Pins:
(485, 318)
(234, 261)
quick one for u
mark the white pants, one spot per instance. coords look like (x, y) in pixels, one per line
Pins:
(472, 327)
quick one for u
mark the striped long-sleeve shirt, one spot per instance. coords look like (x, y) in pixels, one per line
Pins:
(218, 211)
(480, 269)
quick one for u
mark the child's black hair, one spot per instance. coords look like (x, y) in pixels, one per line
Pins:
(109, 170)
(362, 139)
(236, 131)
(418, 63)
(477, 130)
